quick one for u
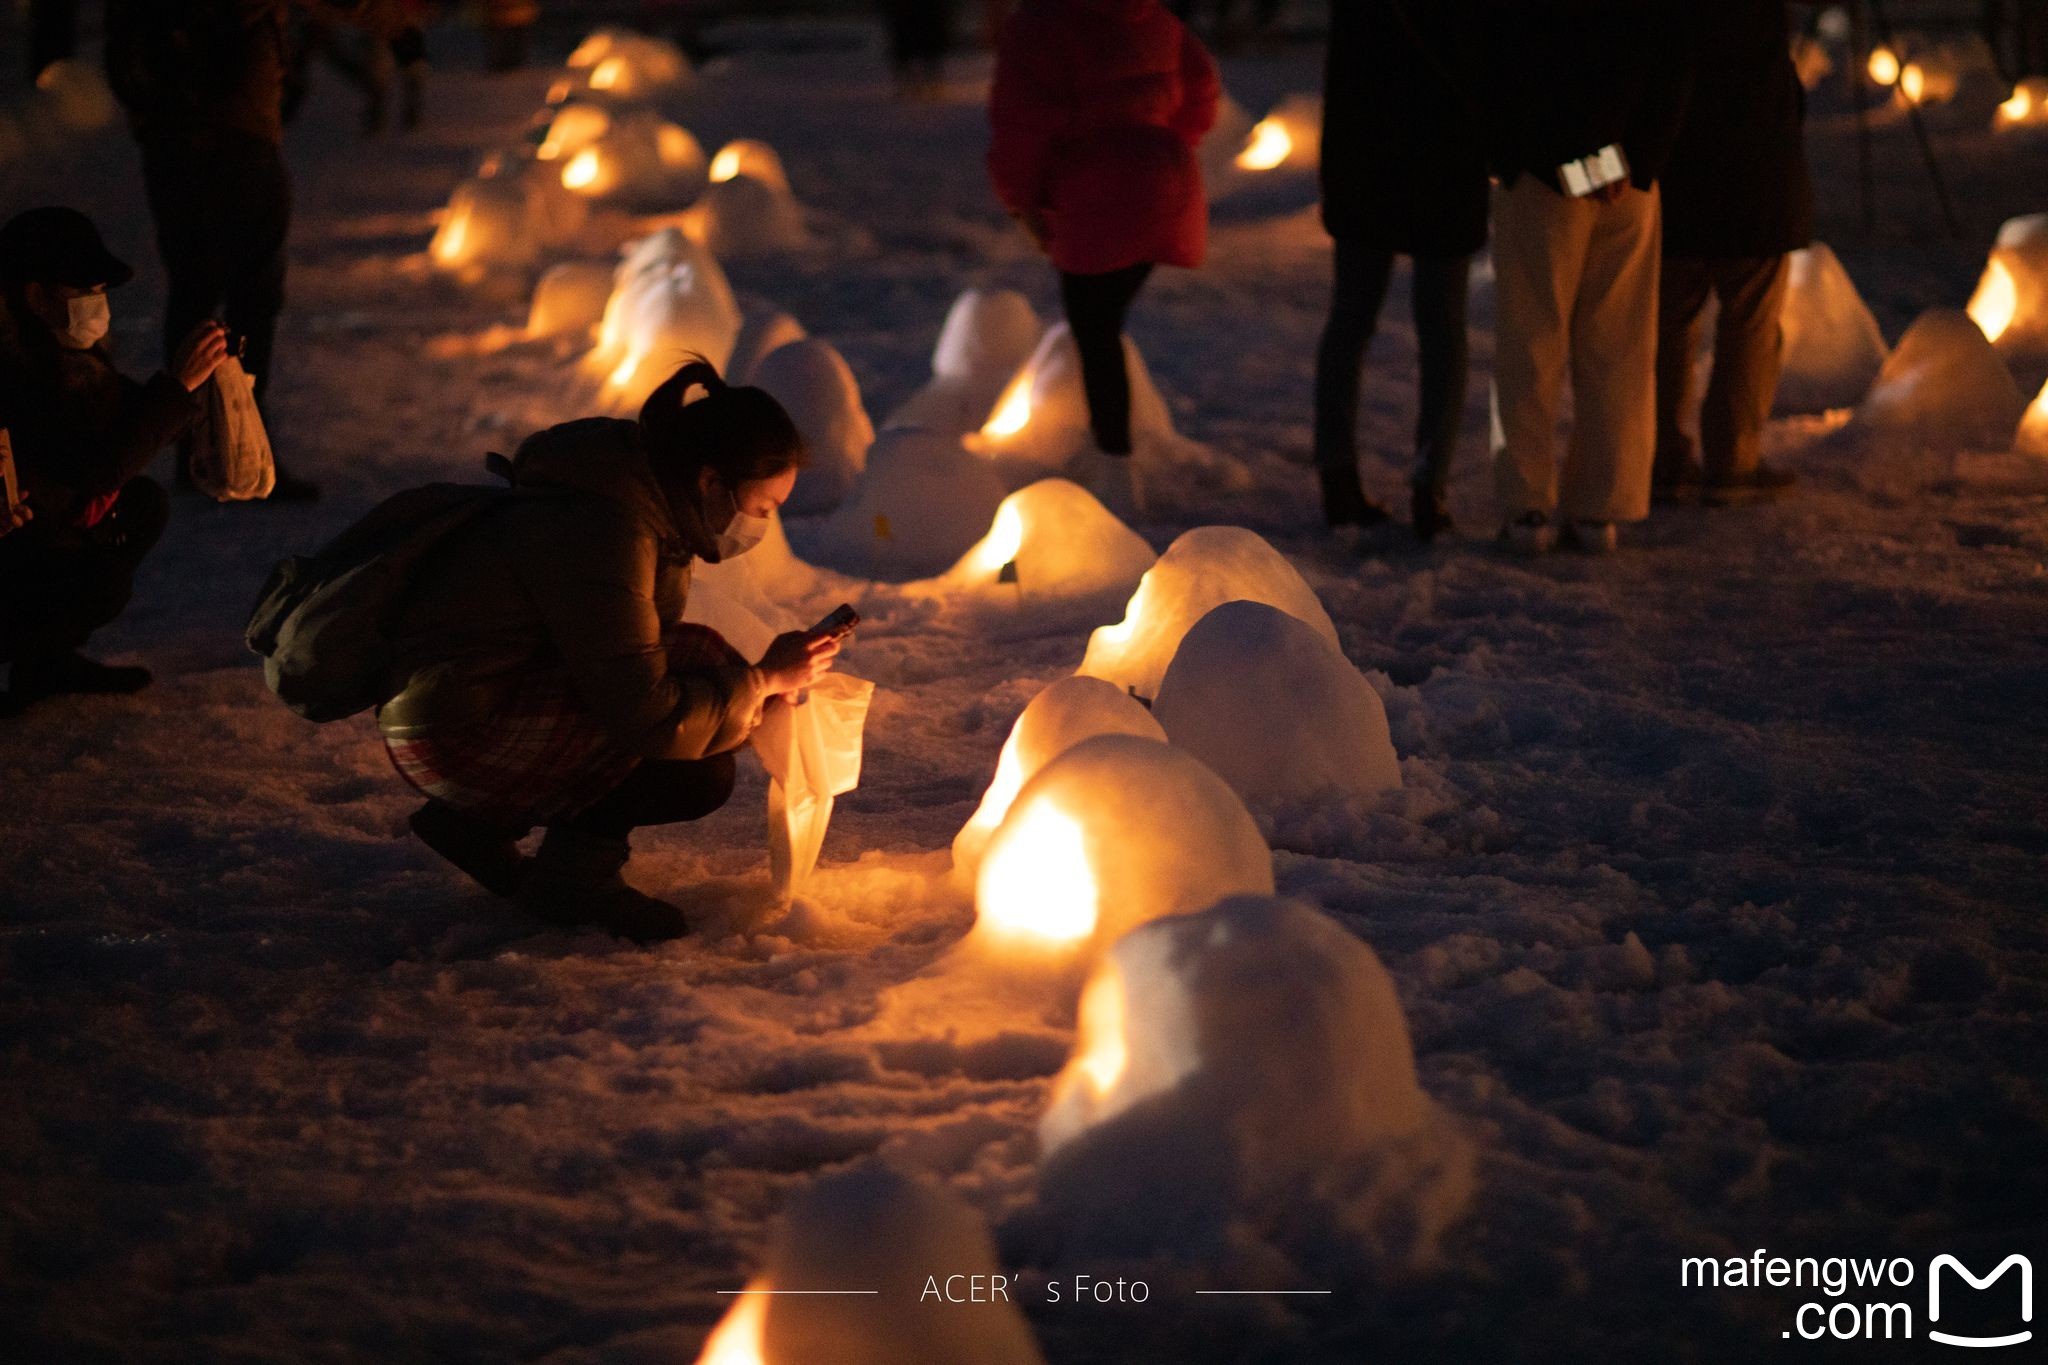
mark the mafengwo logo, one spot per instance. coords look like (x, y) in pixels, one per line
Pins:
(2026, 1268)
(1850, 1316)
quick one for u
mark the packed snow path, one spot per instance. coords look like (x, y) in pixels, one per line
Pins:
(1713, 894)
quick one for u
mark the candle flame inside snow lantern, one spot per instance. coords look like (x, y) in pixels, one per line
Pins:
(1268, 147)
(1996, 301)
(1884, 66)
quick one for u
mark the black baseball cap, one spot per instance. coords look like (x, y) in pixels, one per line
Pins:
(55, 245)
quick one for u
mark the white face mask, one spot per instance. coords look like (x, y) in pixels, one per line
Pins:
(90, 317)
(741, 534)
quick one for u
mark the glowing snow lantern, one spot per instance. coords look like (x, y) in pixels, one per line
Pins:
(815, 385)
(585, 173)
(764, 329)
(1235, 1061)
(640, 156)
(1996, 300)
(988, 335)
(488, 223)
(1199, 572)
(1289, 135)
(1832, 346)
(1115, 831)
(594, 48)
(669, 299)
(1944, 388)
(1052, 545)
(848, 1266)
(1040, 423)
(624, 65)
(1326, 744)
(575, 126)
(744, 216)
(922, 502)
(2026, 107)
(1268, 148)
(2011, 299)
(1063, 715)
(1012, 410)
(2033, 433)
(749, 156)
(570, 299)
(1884, 66)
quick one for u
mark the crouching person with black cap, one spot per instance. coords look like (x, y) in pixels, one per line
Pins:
(82, 433)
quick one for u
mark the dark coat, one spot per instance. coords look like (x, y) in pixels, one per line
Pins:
(1568, 77)
(1096, 111)
(81, 428)
(194, 71)
(1404, 150)
(1737, 184)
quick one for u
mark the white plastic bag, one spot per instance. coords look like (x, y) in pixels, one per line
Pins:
(812, 754)
(231, 459)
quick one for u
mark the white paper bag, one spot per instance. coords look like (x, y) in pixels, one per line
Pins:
(231, 459)
(812, 753)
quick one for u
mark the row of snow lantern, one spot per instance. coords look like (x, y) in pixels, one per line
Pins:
(1922, 73)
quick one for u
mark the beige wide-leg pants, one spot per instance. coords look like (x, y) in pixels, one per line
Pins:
(1576, 298)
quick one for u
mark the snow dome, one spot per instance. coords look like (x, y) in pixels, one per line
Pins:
(2033, 434)
(922, 503)
(669, 300)
(1116, 831)
(2011, 300)
(1040, 420)
(752, 158)
(1235, 1060)
(1063, 715)
(988, 336)
(1832, 347)
(570, 299)
(1199, 572)
(621, 64)
(1052, 542)
(640, 158)
(1289, 138)
(763, 328)
(1945, 386)
(874, 1228)
(2026, 107)
(488, 224)
(571, 127)
(743, 216)
(1276, 711)
(812, 380)
(765, 580)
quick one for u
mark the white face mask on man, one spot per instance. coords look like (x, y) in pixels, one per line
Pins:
(742, 533)
(89, 318)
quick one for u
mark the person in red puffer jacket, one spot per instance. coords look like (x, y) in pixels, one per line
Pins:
(1097, 109)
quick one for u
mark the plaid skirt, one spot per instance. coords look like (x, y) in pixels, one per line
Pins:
(541, 756)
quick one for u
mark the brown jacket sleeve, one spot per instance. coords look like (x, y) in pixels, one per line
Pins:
(593, 585)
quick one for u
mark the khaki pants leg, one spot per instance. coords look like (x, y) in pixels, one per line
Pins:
(1539, 249)
(1682, 293)
(1614, 364)
(1748, 352)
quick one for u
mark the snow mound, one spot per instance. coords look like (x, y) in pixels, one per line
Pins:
(1199, 572)
(764, 580)
(76, 97)
(1833, 349)
(617, 63)
(1117, 831)
(2033, 435)
(923, 502)
(570, 299)
(872, 1228)
(1039, 424)
(1944, 387)
(641, 158)
(1052, 544)
(499, 222)
(1063, 715)
(1236, 1064)
(1277, 712)
(988, 336)
(764, 328)
(812, 380)
(670, 300)
(2011, 300)
(752, 158)
(744, 217)
(571, 126)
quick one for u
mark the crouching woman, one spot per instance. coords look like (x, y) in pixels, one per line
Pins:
(544, 675)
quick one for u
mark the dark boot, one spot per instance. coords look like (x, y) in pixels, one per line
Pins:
(1762, 484)
(1344, 499)
(292, 488)
(1675, 480)
(1429, 511)
(574, 880)
(71, 674)
(488, 853)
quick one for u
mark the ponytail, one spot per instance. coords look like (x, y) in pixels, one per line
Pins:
(741, 434)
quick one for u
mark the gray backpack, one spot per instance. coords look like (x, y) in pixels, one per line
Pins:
(322, 622)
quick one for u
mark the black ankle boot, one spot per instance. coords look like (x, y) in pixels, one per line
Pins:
(1344, 499)
(1428, 510)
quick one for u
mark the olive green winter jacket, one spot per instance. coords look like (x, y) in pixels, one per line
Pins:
(583, 568)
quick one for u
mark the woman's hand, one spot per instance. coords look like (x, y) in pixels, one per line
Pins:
(797, 660)
(200, 354)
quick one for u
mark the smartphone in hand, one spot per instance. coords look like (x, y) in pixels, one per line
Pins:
(840, 623)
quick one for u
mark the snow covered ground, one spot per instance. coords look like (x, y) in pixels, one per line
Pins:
(1712, 896)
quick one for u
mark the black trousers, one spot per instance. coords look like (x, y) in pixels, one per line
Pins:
(59, 585)
(1096, 308)
(661, 792)
(1359, 292)
(222, 206)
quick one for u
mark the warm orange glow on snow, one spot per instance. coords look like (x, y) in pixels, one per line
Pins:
(1013, 409)
(591, 50)
(2027, 106)
(1912, 82)
(450, 243)
(675, 147)
(1004, 539)
(582, 171)
(1036, 886)
(1268, 147)
(1997, 300)
(572, 130)
(2018, 107)
(1884, 66)
(1101, 1054)
(737, 1340)
(725, 165)
(608, 73)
